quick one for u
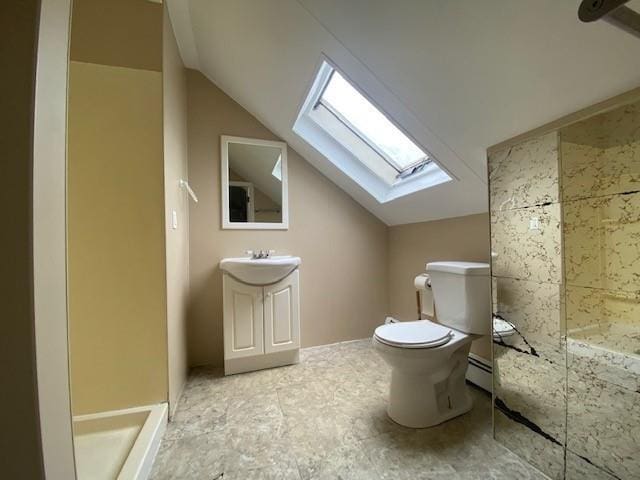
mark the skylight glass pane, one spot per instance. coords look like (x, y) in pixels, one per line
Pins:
(371, 122)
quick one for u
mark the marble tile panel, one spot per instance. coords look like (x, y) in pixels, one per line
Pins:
(546, 456)
(603, 423)
(525, 253)
(525, 175)
(533, 387)
(590, 307)
(601, 156)
(606, 319)
(535, 309)
(593, 361)
(607, 129)
(615, 339)
(579, 468)
(602, 242)
(584, 307)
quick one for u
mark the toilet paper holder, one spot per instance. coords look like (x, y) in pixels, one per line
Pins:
(422, 283)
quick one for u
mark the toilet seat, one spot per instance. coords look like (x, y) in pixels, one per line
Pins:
(417, 334)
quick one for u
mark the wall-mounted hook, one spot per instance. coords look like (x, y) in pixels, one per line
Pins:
(184, 184)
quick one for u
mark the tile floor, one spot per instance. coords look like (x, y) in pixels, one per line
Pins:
(322, 419)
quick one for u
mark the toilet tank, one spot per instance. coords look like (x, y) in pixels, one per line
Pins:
(462, 295)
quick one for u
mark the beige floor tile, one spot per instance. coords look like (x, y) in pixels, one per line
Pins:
(322, 419)
(198, 457)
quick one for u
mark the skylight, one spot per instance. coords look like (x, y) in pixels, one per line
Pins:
(369, 123)
(361, 140)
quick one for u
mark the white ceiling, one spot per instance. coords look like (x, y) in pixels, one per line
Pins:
(471, 74)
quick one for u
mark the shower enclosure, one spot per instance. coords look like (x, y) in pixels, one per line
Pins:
(565, 238)
(117, 317)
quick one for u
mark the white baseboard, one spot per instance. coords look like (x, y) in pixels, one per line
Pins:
(260, 362)
(479, 372)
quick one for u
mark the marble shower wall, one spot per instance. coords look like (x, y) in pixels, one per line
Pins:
(526, 245)
(601, 225)
(565, 241)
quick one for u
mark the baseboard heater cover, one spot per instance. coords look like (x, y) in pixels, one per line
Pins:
(480, 372)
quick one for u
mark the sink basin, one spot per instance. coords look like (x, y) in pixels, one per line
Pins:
(260, 271)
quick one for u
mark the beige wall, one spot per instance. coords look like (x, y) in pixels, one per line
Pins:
(343, 247)
(124, 33)
(412, 246)
(174, 78)
(116, 252)
(20, 449)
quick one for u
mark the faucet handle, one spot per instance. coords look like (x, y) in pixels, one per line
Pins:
(251, 253)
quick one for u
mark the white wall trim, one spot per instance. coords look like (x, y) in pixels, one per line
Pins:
(180, 16)
(49, 240)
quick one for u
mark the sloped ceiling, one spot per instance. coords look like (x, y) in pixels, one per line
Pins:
(470, 73)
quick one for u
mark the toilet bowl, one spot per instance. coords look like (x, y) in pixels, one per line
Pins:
(502, 329)
(429, 360)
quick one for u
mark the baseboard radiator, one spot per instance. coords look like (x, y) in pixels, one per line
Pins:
(479, 372)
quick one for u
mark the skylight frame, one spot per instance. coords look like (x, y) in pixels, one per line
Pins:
(402, 172)
(345, 155)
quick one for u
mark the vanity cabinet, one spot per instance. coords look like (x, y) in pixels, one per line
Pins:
(261, 324)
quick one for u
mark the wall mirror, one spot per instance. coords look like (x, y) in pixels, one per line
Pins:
(254, 184)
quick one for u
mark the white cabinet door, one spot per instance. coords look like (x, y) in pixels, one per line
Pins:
(282, 315)
(243, 319)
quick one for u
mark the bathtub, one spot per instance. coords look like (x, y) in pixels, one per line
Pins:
(623, 338)
(118, 444)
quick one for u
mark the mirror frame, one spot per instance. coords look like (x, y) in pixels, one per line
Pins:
(225, 140)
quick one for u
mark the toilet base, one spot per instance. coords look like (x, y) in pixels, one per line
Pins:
(416, 401)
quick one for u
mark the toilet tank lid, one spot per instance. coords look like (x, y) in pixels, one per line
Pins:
(461, 268)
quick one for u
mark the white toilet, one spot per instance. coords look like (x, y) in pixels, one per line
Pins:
(429, 360)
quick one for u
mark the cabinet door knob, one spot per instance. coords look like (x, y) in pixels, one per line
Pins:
(267, 295)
